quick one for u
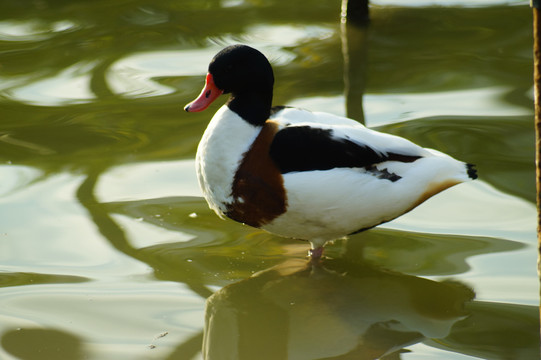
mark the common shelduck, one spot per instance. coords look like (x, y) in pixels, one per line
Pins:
(300, 174)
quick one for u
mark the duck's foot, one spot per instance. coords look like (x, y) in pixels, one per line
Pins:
(315, 254)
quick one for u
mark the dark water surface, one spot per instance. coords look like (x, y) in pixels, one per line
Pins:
(108, 251)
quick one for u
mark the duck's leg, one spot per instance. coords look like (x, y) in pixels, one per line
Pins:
(316, 249)
(316, 253)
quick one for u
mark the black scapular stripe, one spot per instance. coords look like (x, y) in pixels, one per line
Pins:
(303, 148)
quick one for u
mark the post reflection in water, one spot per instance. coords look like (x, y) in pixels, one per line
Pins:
(354, 36)
(337, 310)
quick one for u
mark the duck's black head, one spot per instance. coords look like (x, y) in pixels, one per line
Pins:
(239, 68)
(247, 75)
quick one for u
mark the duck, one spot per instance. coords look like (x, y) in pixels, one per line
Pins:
(302, 174)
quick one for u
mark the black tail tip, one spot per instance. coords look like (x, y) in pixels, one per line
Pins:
(472, 171)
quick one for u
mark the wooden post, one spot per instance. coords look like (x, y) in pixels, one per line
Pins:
(536, 5)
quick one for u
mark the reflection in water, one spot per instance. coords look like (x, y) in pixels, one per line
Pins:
(339, 310)
(354, 34)
(39, 344)
(495, 331)
(348, 310)
(17, 279)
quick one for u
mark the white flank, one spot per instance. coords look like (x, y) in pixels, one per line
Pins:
(330, 204)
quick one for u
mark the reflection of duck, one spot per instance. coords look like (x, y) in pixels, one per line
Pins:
(305, 175)
(339, 311)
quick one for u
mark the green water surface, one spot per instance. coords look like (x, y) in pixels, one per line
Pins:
(108, 250)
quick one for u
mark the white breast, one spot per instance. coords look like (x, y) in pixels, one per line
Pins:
(219, 153)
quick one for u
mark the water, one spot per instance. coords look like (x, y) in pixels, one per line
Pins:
(108, 250)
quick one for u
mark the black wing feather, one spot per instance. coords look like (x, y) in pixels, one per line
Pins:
(304, 148)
